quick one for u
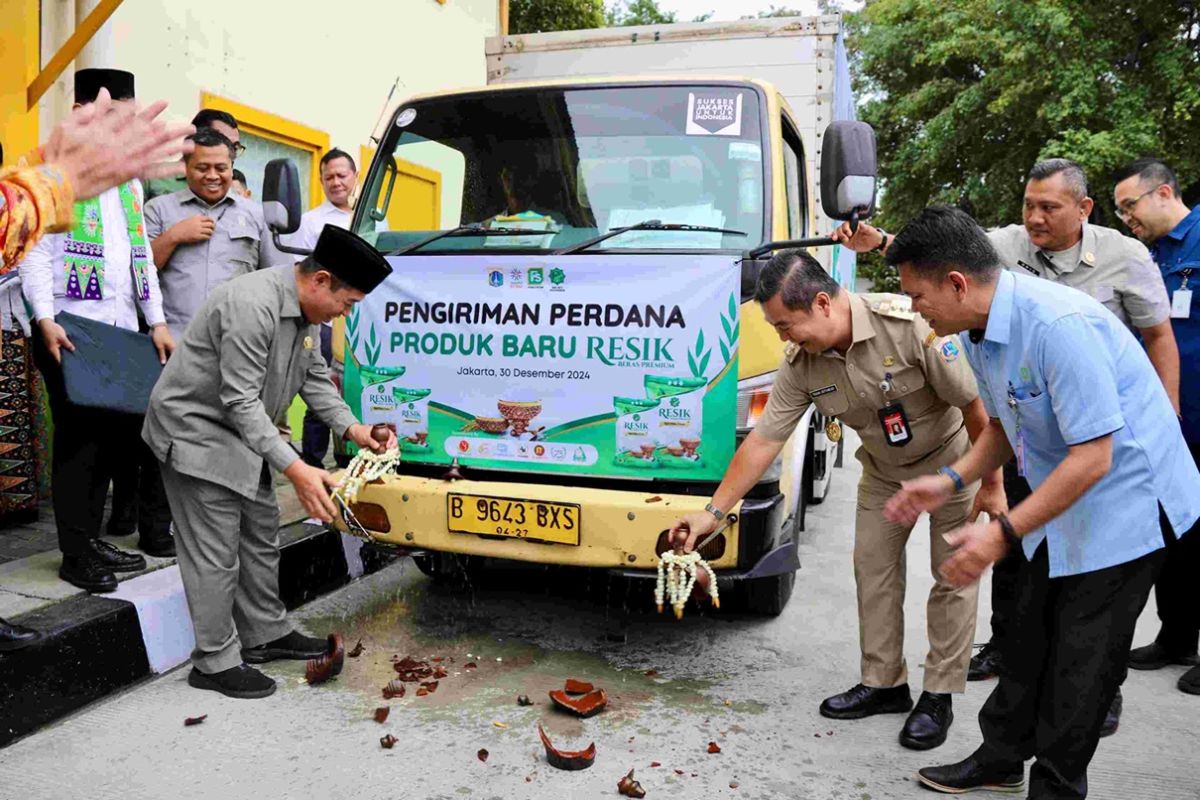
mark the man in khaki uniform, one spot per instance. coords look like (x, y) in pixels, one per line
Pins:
(872, 364)
(250, 349)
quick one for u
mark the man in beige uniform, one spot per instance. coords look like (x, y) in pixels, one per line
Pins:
(872, 364)
(247, 353)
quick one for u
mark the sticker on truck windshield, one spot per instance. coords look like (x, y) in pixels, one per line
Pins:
(714, 114)
(406, 117)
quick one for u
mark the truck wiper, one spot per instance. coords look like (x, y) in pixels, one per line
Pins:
(648, 225)
(472, 229)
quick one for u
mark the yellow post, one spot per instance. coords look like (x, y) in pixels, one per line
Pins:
(19, 28)
(504, 17)
(66, 54)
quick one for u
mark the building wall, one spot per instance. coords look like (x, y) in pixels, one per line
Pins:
(326, 66)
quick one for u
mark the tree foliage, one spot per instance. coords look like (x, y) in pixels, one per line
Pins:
(638, 12)
(540, 16)
(966, 96)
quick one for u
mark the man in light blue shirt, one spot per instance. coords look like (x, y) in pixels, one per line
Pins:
(1074, 397)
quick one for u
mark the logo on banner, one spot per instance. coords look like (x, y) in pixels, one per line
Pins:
(714, 115)
(535, 276)
(495, 278)
(557, 277)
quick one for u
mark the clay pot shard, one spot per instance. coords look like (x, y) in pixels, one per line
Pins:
(195, 720)
(319, 670)
(585, 706)
(566, 759)
(394, 689)
(714, 748)
(482, 755)
(629, 787)
(357, 650)
(523, 700)
(381, 714)
(388, 742)
(573, 686)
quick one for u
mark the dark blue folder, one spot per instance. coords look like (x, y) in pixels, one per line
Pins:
(111, 368)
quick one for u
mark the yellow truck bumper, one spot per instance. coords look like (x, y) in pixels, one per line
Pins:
(617, 529)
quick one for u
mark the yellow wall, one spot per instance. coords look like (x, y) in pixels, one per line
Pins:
(416, 203)
(19, 59)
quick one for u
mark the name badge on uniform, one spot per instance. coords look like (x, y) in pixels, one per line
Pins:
(1181, 304)
(308, 343)
(895, 424)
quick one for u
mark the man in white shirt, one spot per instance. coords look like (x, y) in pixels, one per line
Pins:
(101, 269)
(338, 178)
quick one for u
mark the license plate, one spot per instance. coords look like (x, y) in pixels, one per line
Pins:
(515, 519)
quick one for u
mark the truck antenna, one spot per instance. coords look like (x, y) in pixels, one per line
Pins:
(375, 133)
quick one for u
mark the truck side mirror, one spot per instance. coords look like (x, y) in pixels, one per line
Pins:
(848, 170)
(281, 201)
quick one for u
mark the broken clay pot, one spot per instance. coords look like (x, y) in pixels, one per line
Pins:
(573, 686)
(585, 706)
(629, 787)
(319, 670)
(567, 759)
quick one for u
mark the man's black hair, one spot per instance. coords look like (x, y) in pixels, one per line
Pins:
(1151, 171)
(205, 117)
(1073, 175)
(208, 137)
(944, 238)
(335, 153)
(239, 176)
(797, 278)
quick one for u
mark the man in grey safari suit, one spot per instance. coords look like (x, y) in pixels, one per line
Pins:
(212, 424)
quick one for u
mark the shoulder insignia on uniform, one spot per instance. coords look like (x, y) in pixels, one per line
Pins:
(896, 306)
(949, 351)
(930, 338)
(791, 351)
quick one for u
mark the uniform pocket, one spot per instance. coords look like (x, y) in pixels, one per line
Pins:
(833, 403)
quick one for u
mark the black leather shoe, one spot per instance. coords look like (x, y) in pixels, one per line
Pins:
(240, 682)
(88, 573)
(295, 645)
(115, 559)
(1190, 681)
(14, 637)
(1155, 656)
(1112, 720)
(865, 701)
(970, 775)
(928, 724)
(160, 545)
(985, 664)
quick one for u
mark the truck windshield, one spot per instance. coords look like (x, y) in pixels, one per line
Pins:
(568, 165)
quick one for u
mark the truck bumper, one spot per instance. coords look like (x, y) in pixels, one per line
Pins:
(617, 529)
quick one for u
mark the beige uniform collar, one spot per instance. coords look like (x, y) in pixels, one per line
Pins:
(1087, 253)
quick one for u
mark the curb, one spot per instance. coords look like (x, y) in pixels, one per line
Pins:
(95, 645)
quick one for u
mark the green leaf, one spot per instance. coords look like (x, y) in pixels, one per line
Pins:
(733, 307)
(728, 326)
(725, 352)
(692, 364)
(704, 364)
(700, 342)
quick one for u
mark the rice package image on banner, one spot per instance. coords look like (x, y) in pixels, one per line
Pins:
(895, 424)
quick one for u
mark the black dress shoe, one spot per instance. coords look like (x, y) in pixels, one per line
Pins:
(865, 701)
(159, 545)
(1190, 681)
(928, 724)
(295, 645)
(1112, 720)
(970, 775)
(115, 559)
(987, 663)
(14, 637)
(88, 573)
(240, 682)
(1155, 656)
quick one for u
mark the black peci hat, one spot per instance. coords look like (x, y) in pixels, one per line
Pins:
(89, 82)
(350, 259)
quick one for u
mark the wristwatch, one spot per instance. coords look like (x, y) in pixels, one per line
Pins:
(1010, 533)
(879, 248)
(716, 512)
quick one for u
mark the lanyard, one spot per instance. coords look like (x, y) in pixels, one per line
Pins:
(1186, 274)
(1016, 412)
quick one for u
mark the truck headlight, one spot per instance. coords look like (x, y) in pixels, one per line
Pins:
(752, 399)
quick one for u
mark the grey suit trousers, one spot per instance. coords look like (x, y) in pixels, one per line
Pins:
(228, 558)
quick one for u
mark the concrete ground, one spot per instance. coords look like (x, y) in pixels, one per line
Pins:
(750, 685)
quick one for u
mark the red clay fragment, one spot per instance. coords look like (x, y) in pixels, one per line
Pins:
(470, 665)
(388, 742)
(585, 706)
(733, 784)
(440, 672)
(437, 660)
(713, 747)
(319, 670)
(567, 759)
(381, 714)
(422, 692)
(655, 499)
(629, 787)
(655, 764)
(194, 720)
(430, 686)
(394, 689)
(482, 755)
(651, 673)
(678, 772)
(573, 686)
(523, 700)
(357, 651)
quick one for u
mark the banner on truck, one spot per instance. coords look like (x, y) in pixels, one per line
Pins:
(588, 365)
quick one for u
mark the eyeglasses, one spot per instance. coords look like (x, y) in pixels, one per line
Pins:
(238, 149)
(1126, 208)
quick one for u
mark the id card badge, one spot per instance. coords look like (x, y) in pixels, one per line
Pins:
(1020, 454)
(1181, 304)
(895, 425)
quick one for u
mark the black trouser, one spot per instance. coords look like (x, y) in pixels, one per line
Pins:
(1065, 656)
(315, 439)
(1006, 571)
(88, 443)
(1177, 591)
(139, 501)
